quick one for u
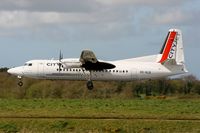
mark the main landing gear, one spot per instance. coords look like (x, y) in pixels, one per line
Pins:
(20, 83)
(90, 85)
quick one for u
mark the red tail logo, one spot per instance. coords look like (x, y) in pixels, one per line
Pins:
(170, 47)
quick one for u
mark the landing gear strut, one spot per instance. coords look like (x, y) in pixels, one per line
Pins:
(20, 83)
(90, 85)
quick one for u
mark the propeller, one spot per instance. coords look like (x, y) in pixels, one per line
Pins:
(60, 60)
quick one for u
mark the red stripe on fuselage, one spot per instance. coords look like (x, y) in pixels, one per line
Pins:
(168, 46)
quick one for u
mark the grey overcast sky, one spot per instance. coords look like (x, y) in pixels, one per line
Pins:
(113, 29)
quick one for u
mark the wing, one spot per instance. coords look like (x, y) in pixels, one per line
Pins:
(90, 62)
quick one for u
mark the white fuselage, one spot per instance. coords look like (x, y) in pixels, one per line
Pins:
(125, 70)
(170, 61)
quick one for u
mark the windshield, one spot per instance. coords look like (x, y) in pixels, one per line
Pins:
(28, 64)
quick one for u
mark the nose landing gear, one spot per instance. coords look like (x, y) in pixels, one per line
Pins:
(20, 83)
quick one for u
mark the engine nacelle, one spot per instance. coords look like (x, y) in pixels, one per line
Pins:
(69, 64)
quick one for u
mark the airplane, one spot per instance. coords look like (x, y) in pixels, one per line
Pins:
(170, 61)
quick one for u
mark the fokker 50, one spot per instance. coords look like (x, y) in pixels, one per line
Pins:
(170, 61)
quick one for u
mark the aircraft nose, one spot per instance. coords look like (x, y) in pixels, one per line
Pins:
(16, 71)
(9, 71)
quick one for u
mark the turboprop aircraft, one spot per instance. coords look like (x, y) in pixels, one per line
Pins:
(170, 61)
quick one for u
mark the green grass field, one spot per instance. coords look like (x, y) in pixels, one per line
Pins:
(169, 115)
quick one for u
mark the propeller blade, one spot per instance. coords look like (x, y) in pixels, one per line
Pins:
(60, 60)
(60, 56)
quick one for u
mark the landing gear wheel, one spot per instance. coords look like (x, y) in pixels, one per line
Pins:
(20, 83)
(90, 85)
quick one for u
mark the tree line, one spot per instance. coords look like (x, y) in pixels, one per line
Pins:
(183, 87)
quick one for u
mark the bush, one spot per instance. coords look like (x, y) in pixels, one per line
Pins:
(77, 89)
(3, 69)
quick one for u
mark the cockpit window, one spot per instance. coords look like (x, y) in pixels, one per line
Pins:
(28, 64)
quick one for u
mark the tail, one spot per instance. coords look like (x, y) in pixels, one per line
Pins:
(172, 52)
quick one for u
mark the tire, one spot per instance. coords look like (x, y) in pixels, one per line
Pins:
(20, 83)
(90, 85)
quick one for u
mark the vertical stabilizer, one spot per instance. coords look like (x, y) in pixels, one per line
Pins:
(172, 50)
